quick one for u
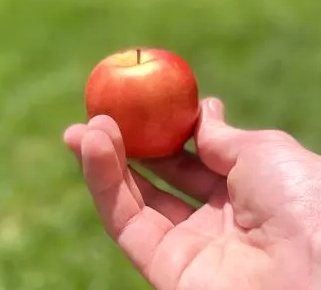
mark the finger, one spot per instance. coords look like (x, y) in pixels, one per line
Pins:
(172, 207)
(106, 124)
(105, 180)
(137, 230)
(109, 126)
(217, 143)
(73, 136)
(187, 173)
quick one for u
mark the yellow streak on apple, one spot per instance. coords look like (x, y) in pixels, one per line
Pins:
(136, 61)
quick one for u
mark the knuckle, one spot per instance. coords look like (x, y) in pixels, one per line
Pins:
(267, 141)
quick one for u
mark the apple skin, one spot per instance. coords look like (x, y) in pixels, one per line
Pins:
(152, 94)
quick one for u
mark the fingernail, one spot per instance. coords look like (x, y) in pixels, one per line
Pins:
(216, 107)
(212, 104)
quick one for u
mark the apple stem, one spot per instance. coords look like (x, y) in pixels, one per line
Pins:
(139, 55)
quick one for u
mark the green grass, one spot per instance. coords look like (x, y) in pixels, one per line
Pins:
(263, 58)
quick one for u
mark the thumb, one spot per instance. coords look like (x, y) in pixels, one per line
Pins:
(217, 143)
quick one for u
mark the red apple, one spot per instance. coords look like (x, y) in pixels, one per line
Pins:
(152, 94)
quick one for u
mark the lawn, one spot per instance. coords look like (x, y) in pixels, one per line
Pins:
(262, 58)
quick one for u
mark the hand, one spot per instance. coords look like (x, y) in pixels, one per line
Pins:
(259, 225)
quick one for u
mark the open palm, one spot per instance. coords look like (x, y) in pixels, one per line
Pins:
(249, 232)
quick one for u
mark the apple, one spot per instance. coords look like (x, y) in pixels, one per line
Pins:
(152, 94)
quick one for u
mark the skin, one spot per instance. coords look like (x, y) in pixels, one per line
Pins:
(259, 226)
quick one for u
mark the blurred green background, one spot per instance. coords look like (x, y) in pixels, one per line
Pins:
(263, 58)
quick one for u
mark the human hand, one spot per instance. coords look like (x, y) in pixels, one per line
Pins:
(259, 226)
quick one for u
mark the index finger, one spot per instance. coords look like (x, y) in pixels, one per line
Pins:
(138, 230)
